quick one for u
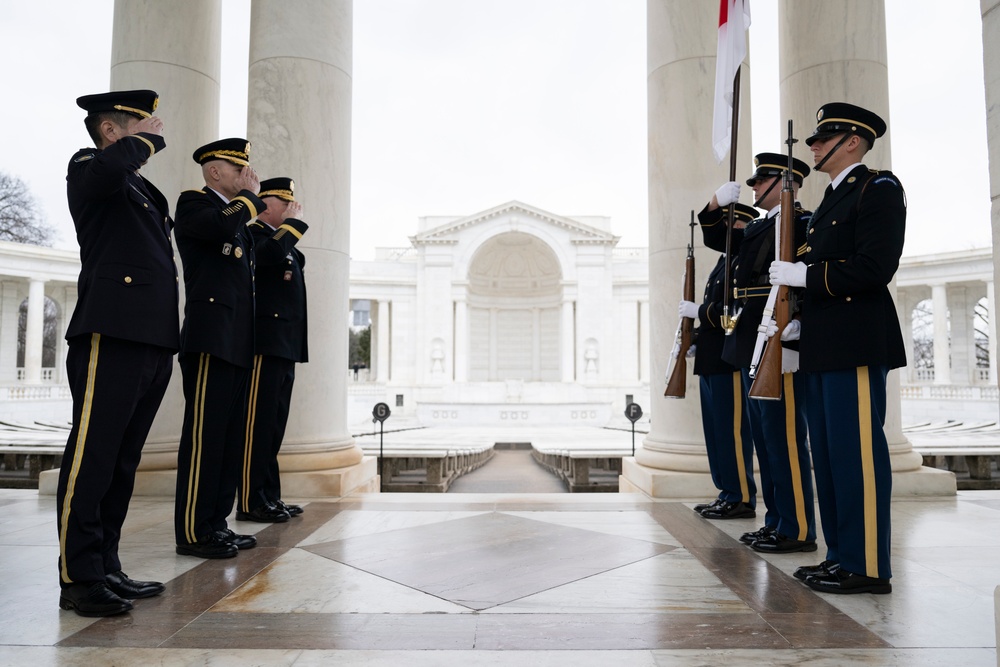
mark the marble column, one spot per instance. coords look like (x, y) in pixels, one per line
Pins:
(10, 304)
(991, 75)
(299, 121)
(942, 342)
(905, 302)
(383, 327)
(963, 349)
(33, 332)
(644, 359)
(567, 344)
(175, 49)
(835, 51)
(461, 352)
(992, 329)
(683, 174)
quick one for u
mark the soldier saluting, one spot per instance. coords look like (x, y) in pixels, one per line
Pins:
(216, 346)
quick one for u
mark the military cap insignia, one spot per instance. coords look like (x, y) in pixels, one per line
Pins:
(291, 185)
(819, 115)
(156, 103)
(247, 149)
(756, 162)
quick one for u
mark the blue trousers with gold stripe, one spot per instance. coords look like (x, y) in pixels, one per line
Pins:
(270, 395)
(117, 386)
(846, 411)
(727, 437)
(779, 432)
(210, 452)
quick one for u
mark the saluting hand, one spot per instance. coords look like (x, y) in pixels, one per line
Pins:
(151, 125)
(293, 210)
(249, 180)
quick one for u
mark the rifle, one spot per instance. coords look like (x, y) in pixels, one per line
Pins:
(677, 376)
(766, 370)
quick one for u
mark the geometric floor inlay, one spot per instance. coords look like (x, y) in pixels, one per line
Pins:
(489, 559)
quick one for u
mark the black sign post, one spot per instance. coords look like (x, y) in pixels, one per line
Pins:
(634, 413)
(380, 413)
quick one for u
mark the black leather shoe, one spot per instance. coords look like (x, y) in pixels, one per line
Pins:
(264, 514)
(776, 543)
(210, 546)
(750, 538)
(847, 583)
(94, 599)
(293, 510)
(728, 510)
(130, 589)
(241, 542)
(704, 506)
(826, 567)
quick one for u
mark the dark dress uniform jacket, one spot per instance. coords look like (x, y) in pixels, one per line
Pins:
(752, 252)
(854, 242)
(128, 281)
(281, 291)
(217, 252)
(710, 335)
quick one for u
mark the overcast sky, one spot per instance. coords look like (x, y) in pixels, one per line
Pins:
(461, 105)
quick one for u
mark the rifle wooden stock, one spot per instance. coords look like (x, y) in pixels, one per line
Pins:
(677, 381)
(767, 381)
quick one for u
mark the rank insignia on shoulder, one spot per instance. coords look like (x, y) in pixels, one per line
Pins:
(238, 252)
(227, 248)
(84, 158)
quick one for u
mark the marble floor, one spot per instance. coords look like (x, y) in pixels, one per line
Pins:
(507, 579)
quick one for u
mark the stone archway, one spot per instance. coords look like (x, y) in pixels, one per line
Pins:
(514, 297)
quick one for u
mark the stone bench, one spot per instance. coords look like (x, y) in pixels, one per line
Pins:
(415, 468)
(36, 457)
(584, 470)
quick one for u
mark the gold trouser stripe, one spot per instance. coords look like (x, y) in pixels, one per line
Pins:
(794, 465)
(197, 429)
(258, 362)
(738, 434)
(868, 472)
(81, 443)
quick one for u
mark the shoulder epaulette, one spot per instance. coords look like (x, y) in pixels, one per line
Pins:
(200, 192)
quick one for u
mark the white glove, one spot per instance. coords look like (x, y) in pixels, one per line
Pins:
(674, 353)
(690, 354)
(789, 360)
(688, 309)
(728, 193)
(787, 273)
(792, 331)
(772, 328)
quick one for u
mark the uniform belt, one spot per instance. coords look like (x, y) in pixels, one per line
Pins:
(751, 292)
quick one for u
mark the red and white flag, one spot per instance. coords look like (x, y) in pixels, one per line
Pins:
(734, 19)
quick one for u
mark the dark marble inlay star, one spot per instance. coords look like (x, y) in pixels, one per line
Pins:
(487, 560)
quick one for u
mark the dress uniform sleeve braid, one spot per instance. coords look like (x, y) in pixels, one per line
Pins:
(271, 246)
(878, 243)
(713, 229)
(198, 215)
(106, 172)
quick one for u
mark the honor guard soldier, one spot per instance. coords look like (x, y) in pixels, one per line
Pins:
(216, 346)
(850, 339)
(122, 337)
(723, 405)
(779, 427)
(280, 342)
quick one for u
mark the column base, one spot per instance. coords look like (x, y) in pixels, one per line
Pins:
(317, 484)
(673, 484)
(678, 485)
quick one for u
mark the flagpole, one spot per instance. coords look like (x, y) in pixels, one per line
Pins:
(727, 320)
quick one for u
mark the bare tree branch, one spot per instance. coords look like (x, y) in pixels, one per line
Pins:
(20, 220)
